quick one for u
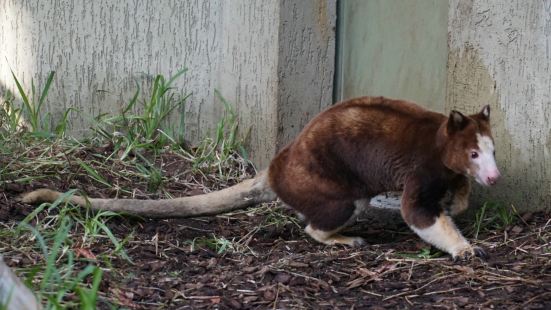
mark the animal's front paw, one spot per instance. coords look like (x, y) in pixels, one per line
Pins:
(468, 252)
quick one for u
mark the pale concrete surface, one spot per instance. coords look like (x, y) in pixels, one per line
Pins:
(306, 63)
(273, 60)
(499, 55)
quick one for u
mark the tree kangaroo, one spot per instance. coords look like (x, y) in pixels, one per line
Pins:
(353, 151)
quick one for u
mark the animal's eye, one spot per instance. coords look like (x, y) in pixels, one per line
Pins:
(474, 155)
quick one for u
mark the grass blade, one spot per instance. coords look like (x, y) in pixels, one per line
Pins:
(46, 89)
(20, 88)
(94, 174)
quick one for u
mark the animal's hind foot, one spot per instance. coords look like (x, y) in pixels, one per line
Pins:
(332, 238)
(350, 241)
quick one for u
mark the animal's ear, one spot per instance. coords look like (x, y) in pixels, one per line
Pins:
(457, 121)
(485, 112)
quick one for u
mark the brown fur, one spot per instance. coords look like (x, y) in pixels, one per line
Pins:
(366, 146)
(352, 151)
(239, 196)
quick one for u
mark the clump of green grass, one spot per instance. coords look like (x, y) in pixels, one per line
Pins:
(89, 296)
(141, 136)
(493, 216)
(424, 253)
(220, 245)
(91, 224)
(31, 114)
(218, 149)
(10, 115)
(148, 130)
(57, 279)
(31, 150)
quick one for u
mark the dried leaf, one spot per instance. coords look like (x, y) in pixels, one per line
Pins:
(86, 253)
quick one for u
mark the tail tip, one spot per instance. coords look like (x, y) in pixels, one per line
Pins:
(39, 195)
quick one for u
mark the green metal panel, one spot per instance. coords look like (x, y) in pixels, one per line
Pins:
(394, 48)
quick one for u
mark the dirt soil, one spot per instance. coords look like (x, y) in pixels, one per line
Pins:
(261, 259)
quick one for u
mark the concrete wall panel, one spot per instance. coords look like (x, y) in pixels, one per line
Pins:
(394, 48)
(500, 55)
(272, 59)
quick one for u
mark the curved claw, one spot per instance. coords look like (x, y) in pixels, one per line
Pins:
(479, 252)
(469, 253)
(460, 258)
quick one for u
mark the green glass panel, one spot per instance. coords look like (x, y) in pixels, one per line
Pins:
(394, 48)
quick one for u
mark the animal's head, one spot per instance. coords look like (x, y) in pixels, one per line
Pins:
(469, 146)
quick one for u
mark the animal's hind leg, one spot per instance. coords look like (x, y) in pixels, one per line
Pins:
(328, 220)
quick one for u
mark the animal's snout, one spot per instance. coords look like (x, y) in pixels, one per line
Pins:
(493, 177)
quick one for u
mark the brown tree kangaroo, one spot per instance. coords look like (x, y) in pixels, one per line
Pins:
(353, 151)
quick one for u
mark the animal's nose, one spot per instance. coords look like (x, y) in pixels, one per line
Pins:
(492, 180)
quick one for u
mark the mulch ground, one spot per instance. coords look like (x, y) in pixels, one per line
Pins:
(261, 259)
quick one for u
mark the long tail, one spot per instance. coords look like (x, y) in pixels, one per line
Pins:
(239, 196)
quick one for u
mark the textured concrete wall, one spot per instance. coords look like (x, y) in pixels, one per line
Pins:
(500, 54)
(394, 48)
(248, 72)
(243, 48)
(106, 45)
(306, 63)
